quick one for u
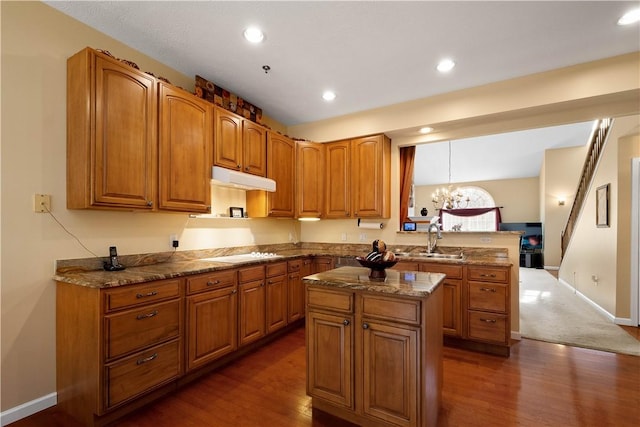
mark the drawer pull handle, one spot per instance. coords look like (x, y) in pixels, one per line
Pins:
(346, 322)
(488, 275)
(150, 294)
(146, 359)
(489, 320)
(215, 282)
(235, 291)
(488, 289)
(365, 326)
(148, 315)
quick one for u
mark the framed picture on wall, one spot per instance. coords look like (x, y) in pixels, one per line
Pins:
(602, 206)
(236, 212)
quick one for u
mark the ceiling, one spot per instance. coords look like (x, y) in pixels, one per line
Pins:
(371, 53)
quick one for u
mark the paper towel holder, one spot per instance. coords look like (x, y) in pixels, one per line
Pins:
(373, 225)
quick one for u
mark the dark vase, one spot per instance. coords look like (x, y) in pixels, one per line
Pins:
(424, 211)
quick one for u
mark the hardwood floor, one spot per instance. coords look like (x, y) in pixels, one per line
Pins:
(541, 384)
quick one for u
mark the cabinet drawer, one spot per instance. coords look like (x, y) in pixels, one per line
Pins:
(211, 281)
(452, 271)
(276, 269)
(489, 327)
(488, 296)
(488, 274)
(331, 300)
(250, 274)
(142, 372)
(134, 329)
(130, 296)
(294, 265)
(393, 309)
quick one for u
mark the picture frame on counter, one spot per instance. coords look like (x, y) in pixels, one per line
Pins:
(235, 212)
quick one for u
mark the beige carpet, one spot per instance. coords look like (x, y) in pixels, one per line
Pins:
(549, 311)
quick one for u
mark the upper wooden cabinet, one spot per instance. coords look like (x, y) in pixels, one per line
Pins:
(111, 134)
(239, 143)
(358, 175)
(310, 179)
(281, 153)
(186, 136)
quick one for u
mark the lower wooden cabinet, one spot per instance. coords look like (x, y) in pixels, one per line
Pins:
(452, 295)
(251, 305)
(276, 304)
(372, 359)
(488, 304)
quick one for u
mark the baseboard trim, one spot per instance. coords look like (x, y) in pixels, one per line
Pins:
(516, 335)
(624, 321)
(604, 312)
(29, 408)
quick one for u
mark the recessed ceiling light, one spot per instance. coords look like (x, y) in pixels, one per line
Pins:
(426, 129)
(253, 34)
(329, 95)
(446, 65)
(630, 17)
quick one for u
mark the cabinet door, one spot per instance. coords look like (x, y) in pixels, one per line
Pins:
(212, 325)
(330, 357)
(296, 297)
(251, 311)
(228, 140)
(281, 168)
(370, 171)
(310, 179)
(254, 148)
(338, 180)
(323, 263)
(185, 151)
(390, 357)
(452, 296)
(276, 304)
(111, 134)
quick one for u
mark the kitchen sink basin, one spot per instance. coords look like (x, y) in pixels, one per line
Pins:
(429, 255)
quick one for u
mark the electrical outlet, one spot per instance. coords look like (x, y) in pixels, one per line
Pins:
(290, 237)
(41, 203)
(485, 240)
(173, 240)
(343, 237)
(363, 237)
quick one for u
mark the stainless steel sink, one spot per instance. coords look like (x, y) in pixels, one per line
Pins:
(429, 255)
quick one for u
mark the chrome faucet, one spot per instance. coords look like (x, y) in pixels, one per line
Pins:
(432, 239)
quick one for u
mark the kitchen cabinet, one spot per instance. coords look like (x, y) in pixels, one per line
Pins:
(211, 317)
(116, 345)
(488, 304)
(296, 289)
(239, 143)
(322, 263)
(251, 304)
(374, 359)
(276, 297)
(185, 142)
(452, 291)
(111, 134)
(358, 178)
(310, 179)
(280, 168)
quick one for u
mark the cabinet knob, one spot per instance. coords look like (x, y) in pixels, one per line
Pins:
(234, 291)
(239, 167)
(365, 326)
(149, 203)
(346, 322)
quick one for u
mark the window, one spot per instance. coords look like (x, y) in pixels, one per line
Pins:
(468, 219)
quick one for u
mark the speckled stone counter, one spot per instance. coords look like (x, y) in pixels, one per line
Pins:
(405, 283)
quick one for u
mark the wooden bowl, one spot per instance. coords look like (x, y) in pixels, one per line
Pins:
(377, 268)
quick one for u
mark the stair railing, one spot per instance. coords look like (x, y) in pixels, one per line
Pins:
(598, 140)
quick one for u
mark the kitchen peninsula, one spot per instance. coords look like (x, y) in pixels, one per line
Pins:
(374, 347)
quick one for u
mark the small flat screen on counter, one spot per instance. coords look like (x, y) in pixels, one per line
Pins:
(408, 226)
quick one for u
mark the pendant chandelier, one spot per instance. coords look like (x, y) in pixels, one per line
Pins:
(447, 197)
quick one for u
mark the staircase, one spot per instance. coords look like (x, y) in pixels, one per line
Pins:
(596, 146)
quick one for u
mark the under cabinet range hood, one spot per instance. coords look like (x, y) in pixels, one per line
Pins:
(230, 178)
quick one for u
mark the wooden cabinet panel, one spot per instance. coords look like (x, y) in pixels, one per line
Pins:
(251, 311)
(488, 274)
(322, 263)
(391, 309)
(111, 134)
(488, 296)
(452, 295)
(186, 139)
(212, 325)
(131, 330)
(254, 148)
(131, 296)
(281, 168)
(330, 358)
(488, 327)
(249, 274)
(207, 282)
(371, 176)
(228, 140)
(295, 307)
(310, 168)
(276, 303)
(390, 373)
(338, 180)
(331, 300)
(130, 377)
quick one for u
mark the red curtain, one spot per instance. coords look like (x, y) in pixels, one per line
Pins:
(473, 212)
(407, 157)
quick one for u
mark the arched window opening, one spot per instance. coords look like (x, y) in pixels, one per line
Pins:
(477, 212)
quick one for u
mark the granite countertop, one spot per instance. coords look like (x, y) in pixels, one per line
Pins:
(150, 267)
(404, 283)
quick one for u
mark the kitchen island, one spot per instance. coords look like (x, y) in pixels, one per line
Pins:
(374, 348)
